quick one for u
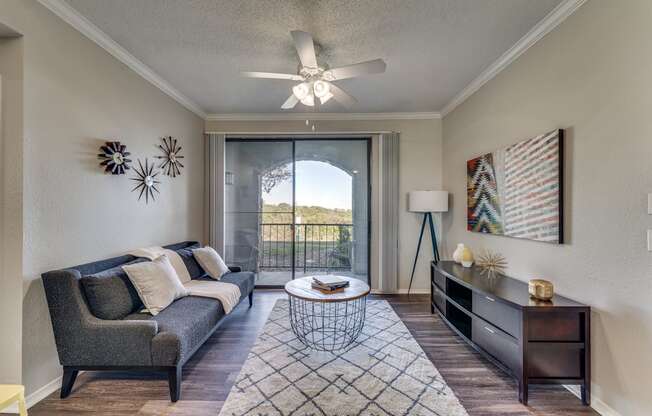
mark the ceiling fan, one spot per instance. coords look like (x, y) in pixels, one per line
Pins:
(316, 82)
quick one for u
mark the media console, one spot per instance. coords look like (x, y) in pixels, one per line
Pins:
(536, 342)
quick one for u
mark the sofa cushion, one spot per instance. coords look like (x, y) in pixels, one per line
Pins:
(157, 283)
(110, 293)
(211, 261)
(182, 327)
(244, 280)
(193, 266)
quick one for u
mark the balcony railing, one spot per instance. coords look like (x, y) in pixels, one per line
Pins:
(322, 247)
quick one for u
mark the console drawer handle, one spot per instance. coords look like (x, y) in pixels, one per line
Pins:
(490, 299)
(490, 330)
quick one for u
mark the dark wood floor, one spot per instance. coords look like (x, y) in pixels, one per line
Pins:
(207, 378)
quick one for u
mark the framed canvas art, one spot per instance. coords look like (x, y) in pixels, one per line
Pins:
(517, 191)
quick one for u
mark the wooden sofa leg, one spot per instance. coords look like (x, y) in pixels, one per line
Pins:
(67, 381)
(251, 299)
(174, 379)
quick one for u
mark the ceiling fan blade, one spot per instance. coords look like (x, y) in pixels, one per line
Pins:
(375, 66)
(290, 102)
(272, 75)
(342, 97)
(305, 48)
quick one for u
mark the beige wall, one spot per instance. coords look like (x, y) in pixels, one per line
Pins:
(75, 97)
(420, 168)
(590, 76)
(11, 218)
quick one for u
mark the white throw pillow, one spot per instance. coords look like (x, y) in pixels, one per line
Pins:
(156, 282)
(210, 261)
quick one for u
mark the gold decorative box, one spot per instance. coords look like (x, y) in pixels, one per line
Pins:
(540, 289)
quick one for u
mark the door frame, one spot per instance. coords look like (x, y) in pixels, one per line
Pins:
(239, 138)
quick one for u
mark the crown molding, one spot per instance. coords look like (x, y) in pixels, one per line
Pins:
(322, 116)
(71, 16)
(545, 26)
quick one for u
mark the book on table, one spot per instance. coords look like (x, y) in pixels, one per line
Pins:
(329, 283)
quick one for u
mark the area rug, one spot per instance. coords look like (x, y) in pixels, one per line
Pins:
(385, 372)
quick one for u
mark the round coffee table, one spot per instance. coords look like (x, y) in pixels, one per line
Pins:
(327, 321)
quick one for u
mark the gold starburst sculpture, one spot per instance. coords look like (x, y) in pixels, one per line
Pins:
(491, 263)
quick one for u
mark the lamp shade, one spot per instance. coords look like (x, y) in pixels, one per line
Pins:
(428, 201)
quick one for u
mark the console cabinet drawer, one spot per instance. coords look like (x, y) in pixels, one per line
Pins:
(499, 314)
(497, 344)
(439, 299)
(439, 279)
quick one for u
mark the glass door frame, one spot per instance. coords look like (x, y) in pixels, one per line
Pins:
(294, 139)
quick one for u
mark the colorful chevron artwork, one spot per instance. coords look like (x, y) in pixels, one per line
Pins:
(484, 214)
(517, 191)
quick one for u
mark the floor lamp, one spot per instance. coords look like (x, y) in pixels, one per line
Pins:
(427, 202)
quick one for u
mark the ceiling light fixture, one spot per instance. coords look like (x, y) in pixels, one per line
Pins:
(326, 97)
(321, 88)
(316, 80)
(301, 91)
(308, 100)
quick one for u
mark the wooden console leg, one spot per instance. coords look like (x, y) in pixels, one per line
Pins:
(522, 392)
(174, 380)
(67, 381)
(585, 394)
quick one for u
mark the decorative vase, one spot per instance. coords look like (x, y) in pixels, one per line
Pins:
(467, 257)
(457, 254)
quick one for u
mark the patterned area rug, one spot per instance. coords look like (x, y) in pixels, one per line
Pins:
(385, 372)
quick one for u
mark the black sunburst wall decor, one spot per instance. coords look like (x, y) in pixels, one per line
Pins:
(146, 179)
(114, 158)
(172, 153)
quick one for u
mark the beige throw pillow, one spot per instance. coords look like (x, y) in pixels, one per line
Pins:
(156, 282)
(211, 262)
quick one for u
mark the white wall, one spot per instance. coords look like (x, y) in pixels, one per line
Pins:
(590, 76)
(11, 218)
(420, 168)
(75, 97)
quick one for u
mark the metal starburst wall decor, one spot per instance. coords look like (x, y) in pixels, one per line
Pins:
(146, 179)
(171, 154)
(114, 158)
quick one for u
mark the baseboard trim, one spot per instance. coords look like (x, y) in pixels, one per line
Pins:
(596, 404)
(37, 396)
(400, 292)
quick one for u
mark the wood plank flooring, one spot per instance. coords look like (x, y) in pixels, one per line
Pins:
(209, 375)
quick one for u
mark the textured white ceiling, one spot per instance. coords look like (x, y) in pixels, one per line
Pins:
(433, 48)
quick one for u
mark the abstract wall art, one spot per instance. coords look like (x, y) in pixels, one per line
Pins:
(517, 191)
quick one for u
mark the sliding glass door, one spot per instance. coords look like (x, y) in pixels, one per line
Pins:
(297, 207)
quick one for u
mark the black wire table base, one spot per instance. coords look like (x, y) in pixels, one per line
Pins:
(327, 326)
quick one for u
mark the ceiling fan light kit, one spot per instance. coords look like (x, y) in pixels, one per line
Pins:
(317, 81)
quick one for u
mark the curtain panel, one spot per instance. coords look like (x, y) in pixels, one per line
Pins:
(388, 212)
(214, 192)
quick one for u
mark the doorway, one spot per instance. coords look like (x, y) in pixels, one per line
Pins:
(296, 207)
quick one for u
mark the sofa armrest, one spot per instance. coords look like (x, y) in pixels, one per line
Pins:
(85, 340)
(115, 343)
(235, 269)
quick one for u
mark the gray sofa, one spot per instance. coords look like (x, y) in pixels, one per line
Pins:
(97, 325)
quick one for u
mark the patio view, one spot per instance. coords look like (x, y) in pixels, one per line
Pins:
(297, 208)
